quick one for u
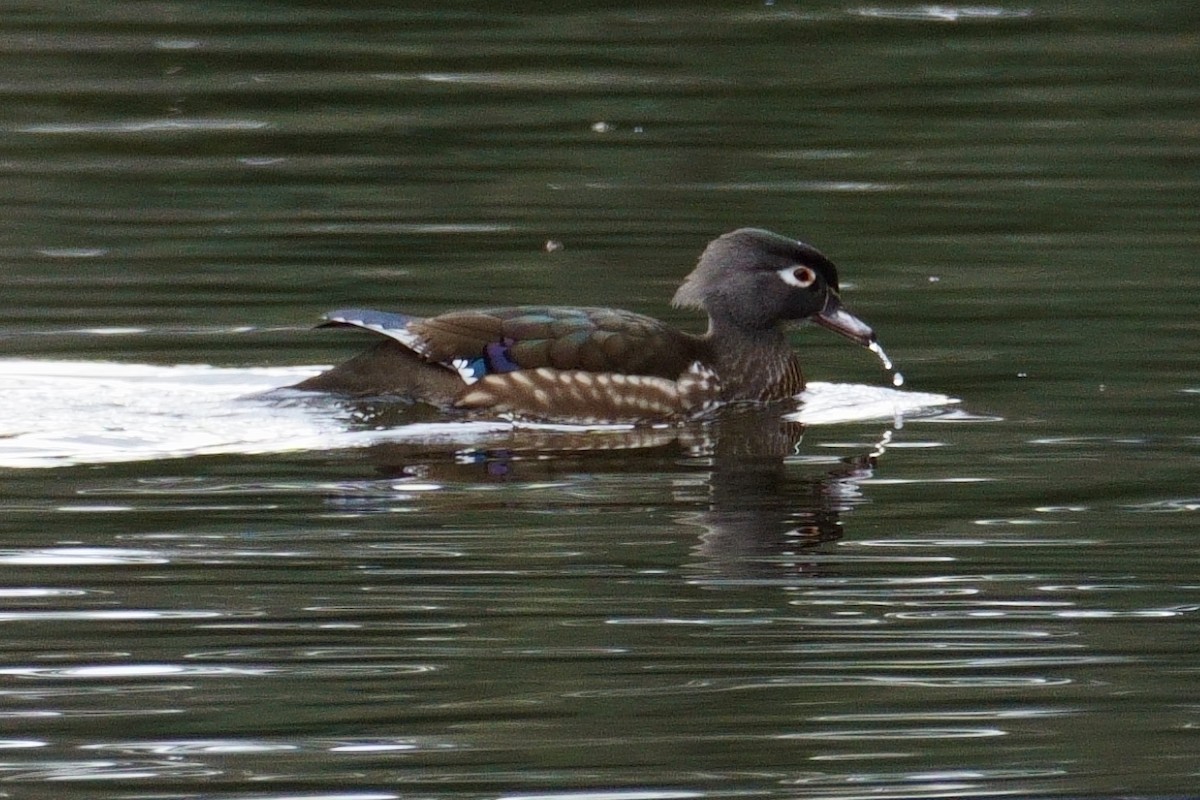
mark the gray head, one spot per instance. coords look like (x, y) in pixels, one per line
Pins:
(755, 280)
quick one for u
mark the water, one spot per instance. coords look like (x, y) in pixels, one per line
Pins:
(212, 592)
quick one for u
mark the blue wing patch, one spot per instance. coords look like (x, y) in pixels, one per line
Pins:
(498, 357)
(495, 358)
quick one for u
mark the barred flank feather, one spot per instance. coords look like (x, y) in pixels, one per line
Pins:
(593, 397)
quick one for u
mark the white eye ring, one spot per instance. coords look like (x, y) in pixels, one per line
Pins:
(798, 275)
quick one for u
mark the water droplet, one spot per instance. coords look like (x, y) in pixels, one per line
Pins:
(897, 378)
(877, 350)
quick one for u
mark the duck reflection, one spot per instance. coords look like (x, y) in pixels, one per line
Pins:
(764, 512)
(765, 505)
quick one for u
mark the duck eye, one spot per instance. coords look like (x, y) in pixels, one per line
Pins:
(798, 276)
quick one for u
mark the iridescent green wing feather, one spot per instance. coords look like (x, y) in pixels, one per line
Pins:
(530, 337)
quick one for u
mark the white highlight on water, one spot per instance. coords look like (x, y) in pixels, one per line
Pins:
(839, 403)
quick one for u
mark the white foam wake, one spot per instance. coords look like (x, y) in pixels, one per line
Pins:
(59, 413)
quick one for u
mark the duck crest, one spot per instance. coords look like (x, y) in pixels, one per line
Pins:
(599, 365)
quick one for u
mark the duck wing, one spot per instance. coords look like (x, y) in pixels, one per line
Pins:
(497, 340)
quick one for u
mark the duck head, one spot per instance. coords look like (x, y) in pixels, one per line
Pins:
(754, 280)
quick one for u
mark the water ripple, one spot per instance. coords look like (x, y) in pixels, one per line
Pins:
(884, 734)
(971, 543)
(981, 714)
(944, 13)
(79, 556)
(109, 615)
(38, 771)
(1041, 611)
(148, 126)
(1168, 506)
(125, 671)
(195, 747)
(614, 794)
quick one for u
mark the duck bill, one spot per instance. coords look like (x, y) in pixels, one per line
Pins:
(839, 320)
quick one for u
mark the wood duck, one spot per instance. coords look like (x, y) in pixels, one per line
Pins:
(598, 365)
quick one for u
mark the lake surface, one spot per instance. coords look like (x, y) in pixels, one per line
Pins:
(209, 592)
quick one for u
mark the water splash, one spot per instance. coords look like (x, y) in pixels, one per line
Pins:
(897, 378)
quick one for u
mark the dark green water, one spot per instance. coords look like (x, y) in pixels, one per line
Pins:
(299, 605)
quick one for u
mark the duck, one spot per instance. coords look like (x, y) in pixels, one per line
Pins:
(603, 365)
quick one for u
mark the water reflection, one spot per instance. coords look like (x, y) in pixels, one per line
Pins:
(762, 515)
(762, 510)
